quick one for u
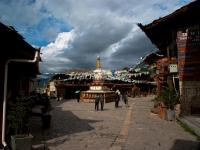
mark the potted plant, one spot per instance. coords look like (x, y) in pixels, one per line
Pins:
(159, 107)
(18, 121)
(170, 99)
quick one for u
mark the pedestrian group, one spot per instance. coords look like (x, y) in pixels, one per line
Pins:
(100, 98)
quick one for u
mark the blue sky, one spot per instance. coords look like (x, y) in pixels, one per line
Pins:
(72, 33)
(36, 35)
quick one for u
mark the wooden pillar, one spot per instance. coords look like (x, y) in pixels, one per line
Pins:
(1, 112)
(1, 100)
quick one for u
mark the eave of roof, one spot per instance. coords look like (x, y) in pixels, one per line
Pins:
(160, 30)
(14, 45)
(151, 58)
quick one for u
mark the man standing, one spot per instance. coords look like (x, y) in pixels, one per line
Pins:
(97, 102)
(102, 101)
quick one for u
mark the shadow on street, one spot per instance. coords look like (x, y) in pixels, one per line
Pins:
(63, 123)
(185, 145)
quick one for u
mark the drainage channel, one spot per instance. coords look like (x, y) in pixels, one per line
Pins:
(120, 140)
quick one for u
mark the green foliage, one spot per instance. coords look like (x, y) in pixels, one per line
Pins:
(169, 97)
(18, 116)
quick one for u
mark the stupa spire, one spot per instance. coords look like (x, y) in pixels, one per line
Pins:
(98, 63)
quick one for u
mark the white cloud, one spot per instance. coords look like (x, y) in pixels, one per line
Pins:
(22, 12)
(105, 27)
(52, 53)
(113, 48)
(56, 48)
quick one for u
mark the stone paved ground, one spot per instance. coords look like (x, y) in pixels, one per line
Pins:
(76, 126)
(148, 132)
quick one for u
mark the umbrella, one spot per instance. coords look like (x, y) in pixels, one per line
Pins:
(78, 91)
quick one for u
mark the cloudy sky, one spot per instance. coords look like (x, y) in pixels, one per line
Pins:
(72, 33)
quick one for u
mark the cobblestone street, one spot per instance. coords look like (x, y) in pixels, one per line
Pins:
(77, 126)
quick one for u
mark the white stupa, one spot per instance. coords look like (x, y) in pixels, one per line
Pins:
(97, 86)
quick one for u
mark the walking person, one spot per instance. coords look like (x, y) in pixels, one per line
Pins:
(125, 99)
(78, 97)
(102, 101)
(77, 94)
(97, 99)
(117, 98)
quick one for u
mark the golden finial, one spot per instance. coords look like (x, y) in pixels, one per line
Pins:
(98, 63)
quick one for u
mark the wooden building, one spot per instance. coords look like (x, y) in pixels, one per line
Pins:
(157, 69)
(19, 64)
(177, 36)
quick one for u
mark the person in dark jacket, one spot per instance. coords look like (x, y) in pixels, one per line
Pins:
(102, 101)
(125, 99)
(97, 99)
